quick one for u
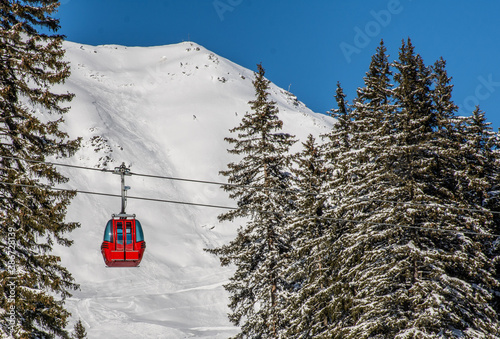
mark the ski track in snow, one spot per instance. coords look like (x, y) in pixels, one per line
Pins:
(165, 111)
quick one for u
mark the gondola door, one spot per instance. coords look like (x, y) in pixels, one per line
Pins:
(119, 230)
(129, 239)
(125, 240)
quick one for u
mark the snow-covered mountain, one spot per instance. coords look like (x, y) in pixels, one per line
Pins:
(163, 111)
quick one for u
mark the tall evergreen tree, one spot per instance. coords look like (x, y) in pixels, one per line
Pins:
(333, 298)
(311, 252)
(31, 215)
(477, 180)
(360, 174)
(441, 262)
(408, 282)
(258, 286)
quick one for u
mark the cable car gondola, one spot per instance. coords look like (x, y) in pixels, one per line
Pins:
(123, 244)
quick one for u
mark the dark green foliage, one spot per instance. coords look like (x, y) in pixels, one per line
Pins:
(31, 215)
(80, 332)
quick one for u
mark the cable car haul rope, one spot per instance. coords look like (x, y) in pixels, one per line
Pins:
(124, 171)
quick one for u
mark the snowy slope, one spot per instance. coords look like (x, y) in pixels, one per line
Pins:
(164, 111)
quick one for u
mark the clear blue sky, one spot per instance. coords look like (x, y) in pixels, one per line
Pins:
(310, 45)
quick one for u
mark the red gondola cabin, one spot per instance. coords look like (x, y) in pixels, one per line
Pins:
(123, 244)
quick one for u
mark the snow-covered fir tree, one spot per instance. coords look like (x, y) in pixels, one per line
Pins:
(332, 298)
(33, 282)
(258, 288)
(358, 178)
(404, 275)
(386, 235)
(477, 180)
(452, 265)
(307, 306)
